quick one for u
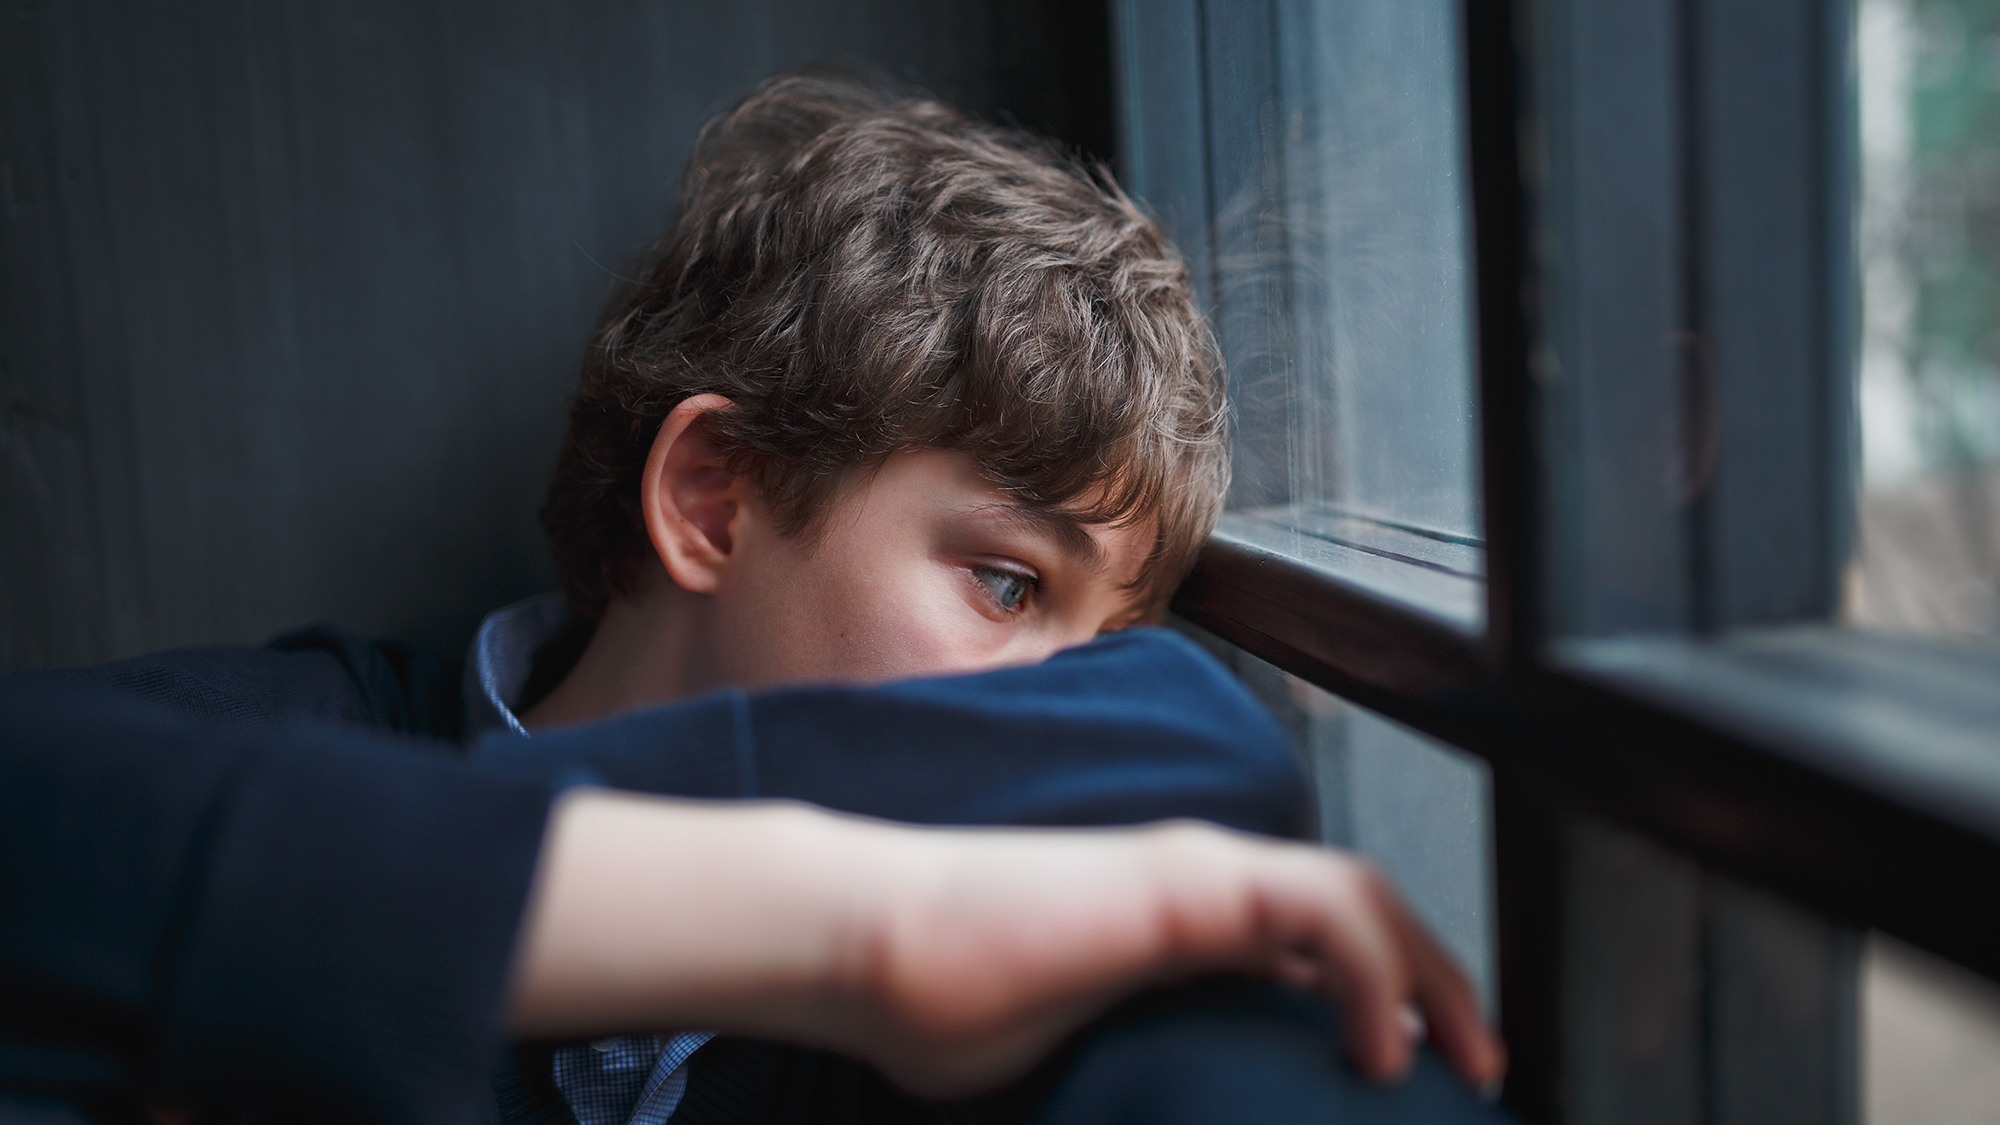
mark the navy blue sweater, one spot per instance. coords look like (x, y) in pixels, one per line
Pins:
(272, 876)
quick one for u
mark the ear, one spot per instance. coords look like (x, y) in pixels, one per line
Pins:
(690, 499)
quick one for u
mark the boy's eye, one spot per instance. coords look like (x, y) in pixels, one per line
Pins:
(1008, 587)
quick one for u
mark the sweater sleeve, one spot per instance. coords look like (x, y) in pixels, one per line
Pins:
(1141, 725)
(321, 674)
(287, 916)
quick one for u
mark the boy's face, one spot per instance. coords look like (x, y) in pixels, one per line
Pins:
(923, 568)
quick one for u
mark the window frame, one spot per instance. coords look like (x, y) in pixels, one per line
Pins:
(1726, 719)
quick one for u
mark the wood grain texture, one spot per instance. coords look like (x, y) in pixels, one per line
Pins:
(291, 296)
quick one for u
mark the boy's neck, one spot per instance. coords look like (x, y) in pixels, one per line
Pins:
(652, 647)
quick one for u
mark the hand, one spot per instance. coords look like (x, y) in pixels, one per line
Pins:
(997, 944)
(954, 959)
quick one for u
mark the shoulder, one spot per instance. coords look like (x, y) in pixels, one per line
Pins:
(321, 674)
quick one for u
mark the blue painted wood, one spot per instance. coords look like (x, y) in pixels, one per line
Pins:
(291, 295)
(1621, 468)
(1767, 104)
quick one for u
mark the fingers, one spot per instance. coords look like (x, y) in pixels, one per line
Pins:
(1392, 979)
(1369, 970)
(1328, 922)
(1457, 1028)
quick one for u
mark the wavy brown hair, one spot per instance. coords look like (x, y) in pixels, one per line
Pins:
(862, 270)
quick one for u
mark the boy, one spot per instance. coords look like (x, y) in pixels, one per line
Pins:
(899, 394)
(870, 293)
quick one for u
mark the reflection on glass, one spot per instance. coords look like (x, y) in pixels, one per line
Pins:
(1382, 419)
(1309, 160)
(1929, 528)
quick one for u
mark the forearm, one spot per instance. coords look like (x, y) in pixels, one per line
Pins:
(1134, 728)
(651, 913)
(950, 958)
(779, 921)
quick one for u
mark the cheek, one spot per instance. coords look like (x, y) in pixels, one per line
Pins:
(911, 621)
(848, 614)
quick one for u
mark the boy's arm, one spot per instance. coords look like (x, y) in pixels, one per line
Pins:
(1138, 726)
(954, 959)
(319, 674)
(294, 916)
(324, 916)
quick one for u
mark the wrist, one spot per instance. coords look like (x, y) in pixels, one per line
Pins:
(869, 884)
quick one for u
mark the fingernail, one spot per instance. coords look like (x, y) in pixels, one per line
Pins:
(1412, 1022)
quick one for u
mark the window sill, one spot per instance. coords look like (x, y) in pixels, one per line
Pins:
(1426, 573)
(1858, 772)
(1343, 605)
(1914, 720)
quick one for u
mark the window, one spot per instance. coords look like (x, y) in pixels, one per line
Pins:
(1317, 183)
(1929, 528)
(1544, 323)
(1315, 179)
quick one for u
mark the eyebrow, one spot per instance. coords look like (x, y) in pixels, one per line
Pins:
(1069, 536)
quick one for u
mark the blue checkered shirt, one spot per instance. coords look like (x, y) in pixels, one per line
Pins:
(621, 1079)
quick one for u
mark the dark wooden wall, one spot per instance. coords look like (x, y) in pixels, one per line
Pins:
(291, 295)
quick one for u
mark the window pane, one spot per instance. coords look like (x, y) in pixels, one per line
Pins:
(1929, 529)
(1307, 156)
(1383, 415)
(1930, 1039)
(1418, 808)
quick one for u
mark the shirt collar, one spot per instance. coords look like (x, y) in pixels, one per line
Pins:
(501, 657)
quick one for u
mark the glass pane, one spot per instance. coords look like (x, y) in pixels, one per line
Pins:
(1928, 549)
(1383, 414)
(1930, 1039)
(1418, 808)
(1308, 159)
